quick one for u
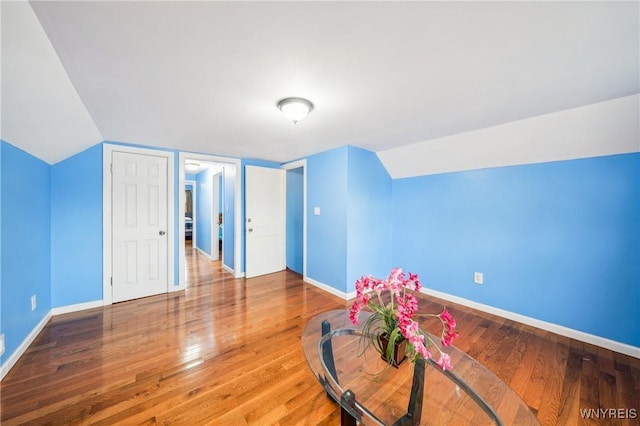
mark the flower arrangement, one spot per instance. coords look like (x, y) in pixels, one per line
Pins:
(394, 317)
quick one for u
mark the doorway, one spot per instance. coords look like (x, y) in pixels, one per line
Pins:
(294, 219)
(296, 216)
(201, 222)
(190, 226)
(228, 200)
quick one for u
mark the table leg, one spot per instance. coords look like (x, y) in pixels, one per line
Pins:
(348, 399)
(327, 351)
(414, 410)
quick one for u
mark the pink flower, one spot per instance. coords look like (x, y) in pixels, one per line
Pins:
(424, 352)
(407, 305)
(408, 328)
(354, 312)
(411, 332)
(396, 275)
(448, 338)
(448, 319)
(421, 348)
(396, 281)
(398, 308)
(412, 283)
(360, 286)
(357, 306)
(365, 284)
(444, 362)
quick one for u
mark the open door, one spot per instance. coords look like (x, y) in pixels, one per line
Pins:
(264, 221)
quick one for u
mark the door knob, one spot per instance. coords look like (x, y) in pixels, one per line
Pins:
(162, 232)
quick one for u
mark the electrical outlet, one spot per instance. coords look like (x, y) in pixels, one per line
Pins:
(478, 277)
(34, 302)
(1, 344)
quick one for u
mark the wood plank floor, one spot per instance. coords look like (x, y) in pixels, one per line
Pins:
(227, 352)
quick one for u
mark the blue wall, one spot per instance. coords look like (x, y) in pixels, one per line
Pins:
(369, 217)
(76, 229)
(26, 239)
(295, 216)
(203, 211)
(559, 242)
(327, 233)
(352, 235)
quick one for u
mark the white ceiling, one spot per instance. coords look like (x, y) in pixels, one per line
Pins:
(41, 111)
(206, 76)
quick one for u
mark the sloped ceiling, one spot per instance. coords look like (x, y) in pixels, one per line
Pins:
(206, 76)
(41, 112)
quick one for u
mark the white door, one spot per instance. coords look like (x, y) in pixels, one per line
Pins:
(139, 228)
(264, 223)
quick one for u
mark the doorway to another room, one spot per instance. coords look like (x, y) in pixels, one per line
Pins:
(203, 208)
(207, 212)
(296, 217)
(189, 208)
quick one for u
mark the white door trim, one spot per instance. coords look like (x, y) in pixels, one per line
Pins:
(296, 165)
(215, 228)
(182, 156)
(107, 150)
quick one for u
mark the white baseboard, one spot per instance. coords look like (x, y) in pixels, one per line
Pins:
(77, 307)
(175, 288)
(613, 345)
(15, 356)
(603, 342)
(328, 288)
(204, 253)
(232, 271)
(20, 350)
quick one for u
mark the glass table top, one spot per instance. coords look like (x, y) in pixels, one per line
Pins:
(375, 393)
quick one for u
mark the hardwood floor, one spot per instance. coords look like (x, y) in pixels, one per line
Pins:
(228, 352)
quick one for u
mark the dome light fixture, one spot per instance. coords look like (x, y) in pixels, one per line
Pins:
(192, 166)
(295, 109)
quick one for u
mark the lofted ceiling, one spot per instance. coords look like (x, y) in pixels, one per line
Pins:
(206, 76)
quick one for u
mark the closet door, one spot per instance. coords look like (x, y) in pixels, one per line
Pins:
(139, 227)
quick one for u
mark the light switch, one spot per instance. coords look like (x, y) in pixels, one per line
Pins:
(316, 211)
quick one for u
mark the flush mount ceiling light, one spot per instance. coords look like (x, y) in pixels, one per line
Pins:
(192, 166)
(295, 109)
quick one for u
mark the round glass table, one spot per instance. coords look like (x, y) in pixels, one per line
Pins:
(371, 392)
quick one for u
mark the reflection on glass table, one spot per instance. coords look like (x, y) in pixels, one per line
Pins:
(370, 392)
